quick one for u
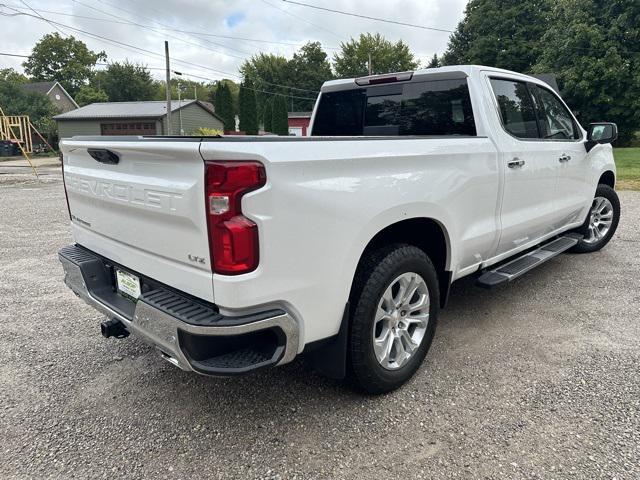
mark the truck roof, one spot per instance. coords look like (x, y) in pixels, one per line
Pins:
(449, 72)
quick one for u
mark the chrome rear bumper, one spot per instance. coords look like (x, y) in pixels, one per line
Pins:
(191, 335)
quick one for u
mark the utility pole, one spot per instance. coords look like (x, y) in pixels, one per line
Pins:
(369, 64)
(180, 107)
(168, 80)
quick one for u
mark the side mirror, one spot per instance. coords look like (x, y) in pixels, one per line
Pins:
(600, 134)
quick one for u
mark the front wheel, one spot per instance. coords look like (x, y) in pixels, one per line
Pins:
(396, 303)
(602, 221)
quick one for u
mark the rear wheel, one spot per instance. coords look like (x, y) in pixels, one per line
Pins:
(396, 302)
(602, 221)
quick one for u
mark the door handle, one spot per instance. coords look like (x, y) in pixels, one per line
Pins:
(515, 163)
(564, 158)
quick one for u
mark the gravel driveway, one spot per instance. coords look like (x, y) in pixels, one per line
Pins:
(539, 379)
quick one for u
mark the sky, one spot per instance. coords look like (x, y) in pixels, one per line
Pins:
(197, 29)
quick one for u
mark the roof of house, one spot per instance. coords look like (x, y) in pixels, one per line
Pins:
(45, 87)
(40, 87)
(149, 109)
(300, 114)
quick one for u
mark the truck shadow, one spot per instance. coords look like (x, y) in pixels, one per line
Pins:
(292, 386)
(292, 410)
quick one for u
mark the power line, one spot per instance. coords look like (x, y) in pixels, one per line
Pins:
(186, 74)
(207, 34)
(199, 33)
(29, 7)
(147, 27)
(13, 55)
(184, 62)
(367, 17)
(143, 26)
(302, 19)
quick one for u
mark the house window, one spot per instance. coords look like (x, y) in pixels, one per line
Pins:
(128, 128)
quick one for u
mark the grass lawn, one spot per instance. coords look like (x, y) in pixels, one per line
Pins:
(628, 166)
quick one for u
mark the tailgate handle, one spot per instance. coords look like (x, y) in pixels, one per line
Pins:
(103, 155)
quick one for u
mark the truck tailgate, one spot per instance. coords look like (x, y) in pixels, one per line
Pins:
(145, 212)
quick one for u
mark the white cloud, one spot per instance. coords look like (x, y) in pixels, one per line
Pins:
(257, 19)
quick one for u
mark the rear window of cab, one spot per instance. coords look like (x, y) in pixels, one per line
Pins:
(439, 108)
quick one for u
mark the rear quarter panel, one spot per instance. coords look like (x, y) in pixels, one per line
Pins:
(325, 200)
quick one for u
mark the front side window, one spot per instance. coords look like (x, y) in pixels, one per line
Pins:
(441, 107)
(517, 109)
(556, 122)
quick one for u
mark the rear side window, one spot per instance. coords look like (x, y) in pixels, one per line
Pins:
(517, 110)
(340, 112)
(440, 107)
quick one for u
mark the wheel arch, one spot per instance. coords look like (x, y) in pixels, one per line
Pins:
(329, 357)
(425, 233)
(608, 178)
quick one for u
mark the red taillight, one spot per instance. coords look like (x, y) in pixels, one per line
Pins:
(233, 238)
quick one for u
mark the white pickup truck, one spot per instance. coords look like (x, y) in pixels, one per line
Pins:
(230, 254)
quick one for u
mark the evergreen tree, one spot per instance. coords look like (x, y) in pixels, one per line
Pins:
(223, 104)
(434, 62)
(242, 108)
(280, 117)
(267, 116)
(248, 109)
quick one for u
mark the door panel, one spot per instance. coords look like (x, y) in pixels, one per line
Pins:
(559, 128)
(530, 168)
(528, 205)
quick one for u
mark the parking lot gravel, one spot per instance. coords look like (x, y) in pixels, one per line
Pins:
(536, 380)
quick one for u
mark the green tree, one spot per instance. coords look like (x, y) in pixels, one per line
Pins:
(593, 46)
(298, 78)
(233, 88)
(434, 62)
(10, 75)
(248, 109)
(223, 104)
(89, 94)
(266, 72)
(353, 57)
(15, 100)
(242, 107)
(500, 33)
(190, 89)
(66, 60)
(308, 70)
(280, 117)
(126, 82)
(267, 116)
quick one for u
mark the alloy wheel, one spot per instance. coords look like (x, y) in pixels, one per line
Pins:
(600, 220)
(401, 320)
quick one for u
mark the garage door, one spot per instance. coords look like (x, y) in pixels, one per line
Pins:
(128, 128)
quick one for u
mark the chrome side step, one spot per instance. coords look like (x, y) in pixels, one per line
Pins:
(521, 265)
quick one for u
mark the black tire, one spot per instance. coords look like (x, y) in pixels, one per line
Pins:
(586, 246)
(377, 272)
